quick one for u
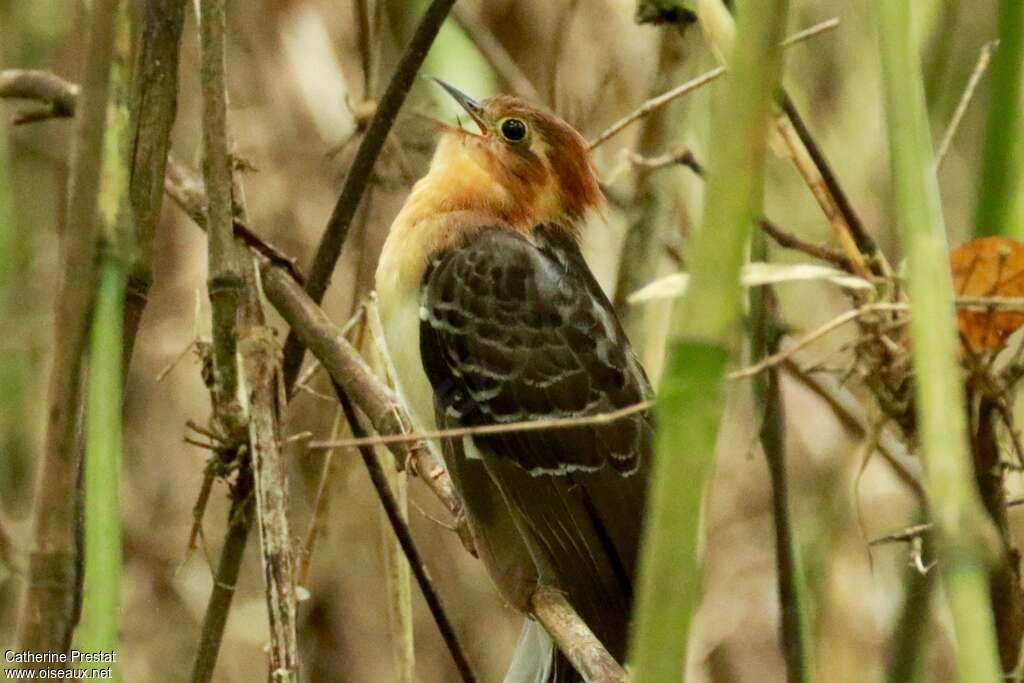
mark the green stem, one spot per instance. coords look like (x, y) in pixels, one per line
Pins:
(101, 606)
(961, 524)
(1000, 172)
(690, 402)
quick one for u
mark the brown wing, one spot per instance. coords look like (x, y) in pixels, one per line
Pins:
(512, 331)
(516, 330)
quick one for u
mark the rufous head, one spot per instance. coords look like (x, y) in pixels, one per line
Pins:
(541, 161)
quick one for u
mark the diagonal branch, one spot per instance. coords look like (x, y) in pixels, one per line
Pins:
(329, 249)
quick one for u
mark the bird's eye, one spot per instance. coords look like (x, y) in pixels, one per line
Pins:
(513, 130)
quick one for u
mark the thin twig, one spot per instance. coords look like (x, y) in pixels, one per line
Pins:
(574, 638)
(965, 100)
(918, 530)
(810, 162)
(401, 529)
(788, 240)
(766, 336)
(848, 411)
(784, 239)
(333, 239)
(693, 84)
(459, 432)
(655, 103)
(811, 31)
(810, 337)
(495, 53)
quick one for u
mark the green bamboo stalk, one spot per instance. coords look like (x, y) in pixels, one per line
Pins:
(704, 330)
(103, 429)
(1000, 171)
(955, 508)
(101, 606)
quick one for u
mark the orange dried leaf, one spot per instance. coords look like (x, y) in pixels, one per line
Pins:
(988, 267)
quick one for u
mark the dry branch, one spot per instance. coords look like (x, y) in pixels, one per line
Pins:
(572, 636)
(495, 53)
(374, 399)
(329, 249)
(404, 535)
(154, 104)
(260, 373)
(59, 96)
(224, 281)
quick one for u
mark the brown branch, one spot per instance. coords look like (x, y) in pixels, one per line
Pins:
(401, 529)
(574, 638)
(331, 242)
(317, 332)
(1007, 597)
(342, 362)
(260, 372)
(766, 336)
(188, 192)
(59, 96)
(826, 189)
(919, 530)
(49, 607)
(154, 103)
(374, 399)
(226, 577)
(495, 53)
(788, 240)
(685, 157)
(224, 282)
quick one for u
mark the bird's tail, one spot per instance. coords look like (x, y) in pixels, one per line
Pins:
(537, 660)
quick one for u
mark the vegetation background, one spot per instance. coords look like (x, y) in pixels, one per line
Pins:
(299, 76)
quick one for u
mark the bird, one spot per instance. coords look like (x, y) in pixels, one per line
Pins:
(491, 315)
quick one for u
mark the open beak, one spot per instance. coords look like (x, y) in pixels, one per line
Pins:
(471, 106)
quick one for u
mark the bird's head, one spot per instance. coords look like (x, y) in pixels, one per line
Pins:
(539, 166)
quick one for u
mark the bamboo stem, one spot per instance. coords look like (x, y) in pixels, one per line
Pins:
(1000, 170)
(224, 281)
(101, 580)
(705, 325)
(962, 528)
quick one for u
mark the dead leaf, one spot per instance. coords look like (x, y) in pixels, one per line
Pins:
(984, 267)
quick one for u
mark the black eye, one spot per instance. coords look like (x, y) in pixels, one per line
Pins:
(513, 130)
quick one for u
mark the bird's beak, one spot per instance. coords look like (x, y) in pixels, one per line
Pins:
(472, 107)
